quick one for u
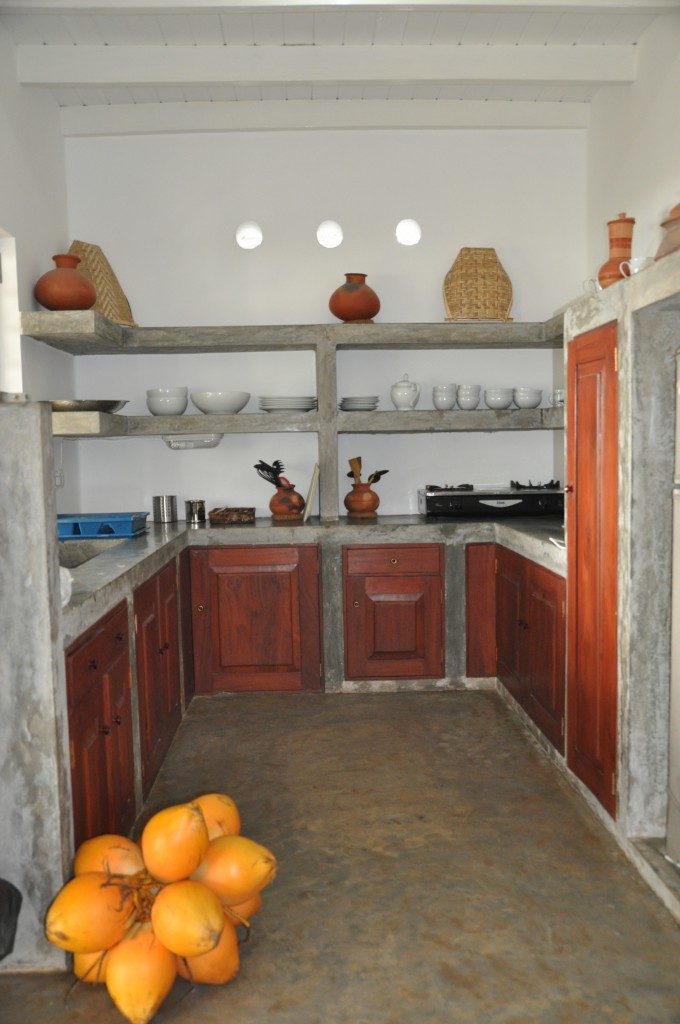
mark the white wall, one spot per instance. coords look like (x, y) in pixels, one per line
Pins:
(33, 211)
(634, 145)
(164, 209)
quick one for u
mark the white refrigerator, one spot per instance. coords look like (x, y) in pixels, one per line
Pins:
(673, 824)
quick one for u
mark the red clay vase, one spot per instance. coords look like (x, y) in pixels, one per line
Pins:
(620, 246)
(361, 502)
(64, 287)
(354, 302)
(286, 503)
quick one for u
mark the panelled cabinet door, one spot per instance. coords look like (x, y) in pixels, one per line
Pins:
(168, 610)
(256, 618)
(393, 612)
(542, 654)
(121, 770)
(89, 764)
(510, 623)
(149, 679)
(592, 512)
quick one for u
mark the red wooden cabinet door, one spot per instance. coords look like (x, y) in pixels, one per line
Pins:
(509, 621)
(256, 618)
(393, 619)
(149, 679)
(118, 744)
(542, 664)
(592, 508)
(168, 612)
(89, 767)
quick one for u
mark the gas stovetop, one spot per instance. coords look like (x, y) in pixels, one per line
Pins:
(462, 501)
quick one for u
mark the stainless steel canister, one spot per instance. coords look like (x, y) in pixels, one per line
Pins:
(164, 508)
(194, 511)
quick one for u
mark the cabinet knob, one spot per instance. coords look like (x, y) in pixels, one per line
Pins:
(393, 561)
(200, 607)
(105, 729)
(117, 720)
(356, 604)
(93, 664)
(119, 636)
(163, 649)
(568, 488)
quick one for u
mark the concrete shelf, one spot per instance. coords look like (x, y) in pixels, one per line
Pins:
(87, 333)
(97, 424)
(416, 422)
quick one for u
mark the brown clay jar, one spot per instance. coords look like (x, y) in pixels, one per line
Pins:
(64, 287)
(362, 502)
(354, 301)
(620, 233)
(671, 239)
(286, 503)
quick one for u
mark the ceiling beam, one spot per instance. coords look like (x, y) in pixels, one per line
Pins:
(238, 65)
(245, 6)
(167, 118)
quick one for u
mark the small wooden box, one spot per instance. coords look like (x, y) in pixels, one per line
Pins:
(228, 516)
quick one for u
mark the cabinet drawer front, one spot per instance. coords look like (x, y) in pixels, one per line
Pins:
(264, 557)
(91, 655)
(394, 559)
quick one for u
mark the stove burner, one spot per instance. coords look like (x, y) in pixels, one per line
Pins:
(449, 487)
(552, 485)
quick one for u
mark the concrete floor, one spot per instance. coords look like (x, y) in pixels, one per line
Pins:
(434, 869)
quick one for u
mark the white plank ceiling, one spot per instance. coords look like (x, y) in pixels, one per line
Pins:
(338, 65)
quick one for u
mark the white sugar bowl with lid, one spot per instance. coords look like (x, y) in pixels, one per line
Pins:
(405, 393)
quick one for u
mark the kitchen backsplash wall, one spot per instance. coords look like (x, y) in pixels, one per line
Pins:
(164, 209)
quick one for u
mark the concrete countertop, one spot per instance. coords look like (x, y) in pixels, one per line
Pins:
(112, 576)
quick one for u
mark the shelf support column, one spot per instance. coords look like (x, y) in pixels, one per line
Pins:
(326, 389)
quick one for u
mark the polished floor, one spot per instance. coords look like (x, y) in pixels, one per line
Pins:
(434, 869)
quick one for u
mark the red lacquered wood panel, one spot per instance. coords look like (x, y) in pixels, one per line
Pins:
(89, 776)
(149, 679)
(118, 742)
(393, 627)
(256, 618)
(480, 610)
(542, 657)
(592, 508)
(509, 621)
(186, 633)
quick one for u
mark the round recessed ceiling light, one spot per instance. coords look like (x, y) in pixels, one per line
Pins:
(329, 234)
(249, 235)
(408, 232)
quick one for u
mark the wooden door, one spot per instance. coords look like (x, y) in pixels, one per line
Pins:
(542, 656)
(149, 679)
(509, 621)
(256, 618)
(89, 767)
(592, 508)
(480, 610)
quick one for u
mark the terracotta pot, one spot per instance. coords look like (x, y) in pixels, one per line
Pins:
(64, 287)
(671, 239)
(361, 502)
(620, 244)
(286, 503)
(354, 301)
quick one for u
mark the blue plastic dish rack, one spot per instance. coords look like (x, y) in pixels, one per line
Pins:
(100, 524)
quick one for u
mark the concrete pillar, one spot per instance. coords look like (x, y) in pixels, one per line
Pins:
(35, 795)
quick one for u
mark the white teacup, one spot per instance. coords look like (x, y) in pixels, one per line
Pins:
(634, 266)
(444, 396)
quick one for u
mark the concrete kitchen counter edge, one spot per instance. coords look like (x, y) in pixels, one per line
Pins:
(107, 579)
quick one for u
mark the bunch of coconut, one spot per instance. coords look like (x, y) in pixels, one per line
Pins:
(135, 917)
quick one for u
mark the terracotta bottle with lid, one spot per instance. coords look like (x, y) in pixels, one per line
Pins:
(620, 233)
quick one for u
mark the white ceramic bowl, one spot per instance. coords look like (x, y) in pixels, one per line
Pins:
(167, 401)
(467, 401)
(527, 398)
(469, 389)
(220, 402)
(498, 398)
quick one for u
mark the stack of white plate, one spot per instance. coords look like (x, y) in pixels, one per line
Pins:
(359, 403)
(287, 403)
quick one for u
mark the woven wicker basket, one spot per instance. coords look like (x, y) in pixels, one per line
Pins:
(477, 288)
(111, 301)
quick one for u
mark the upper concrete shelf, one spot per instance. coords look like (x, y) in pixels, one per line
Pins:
(88, 333)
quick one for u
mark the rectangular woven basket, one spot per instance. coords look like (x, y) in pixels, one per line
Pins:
(477, 287)
(111, 301)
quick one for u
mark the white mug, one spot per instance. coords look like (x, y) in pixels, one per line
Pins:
(634, 266)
